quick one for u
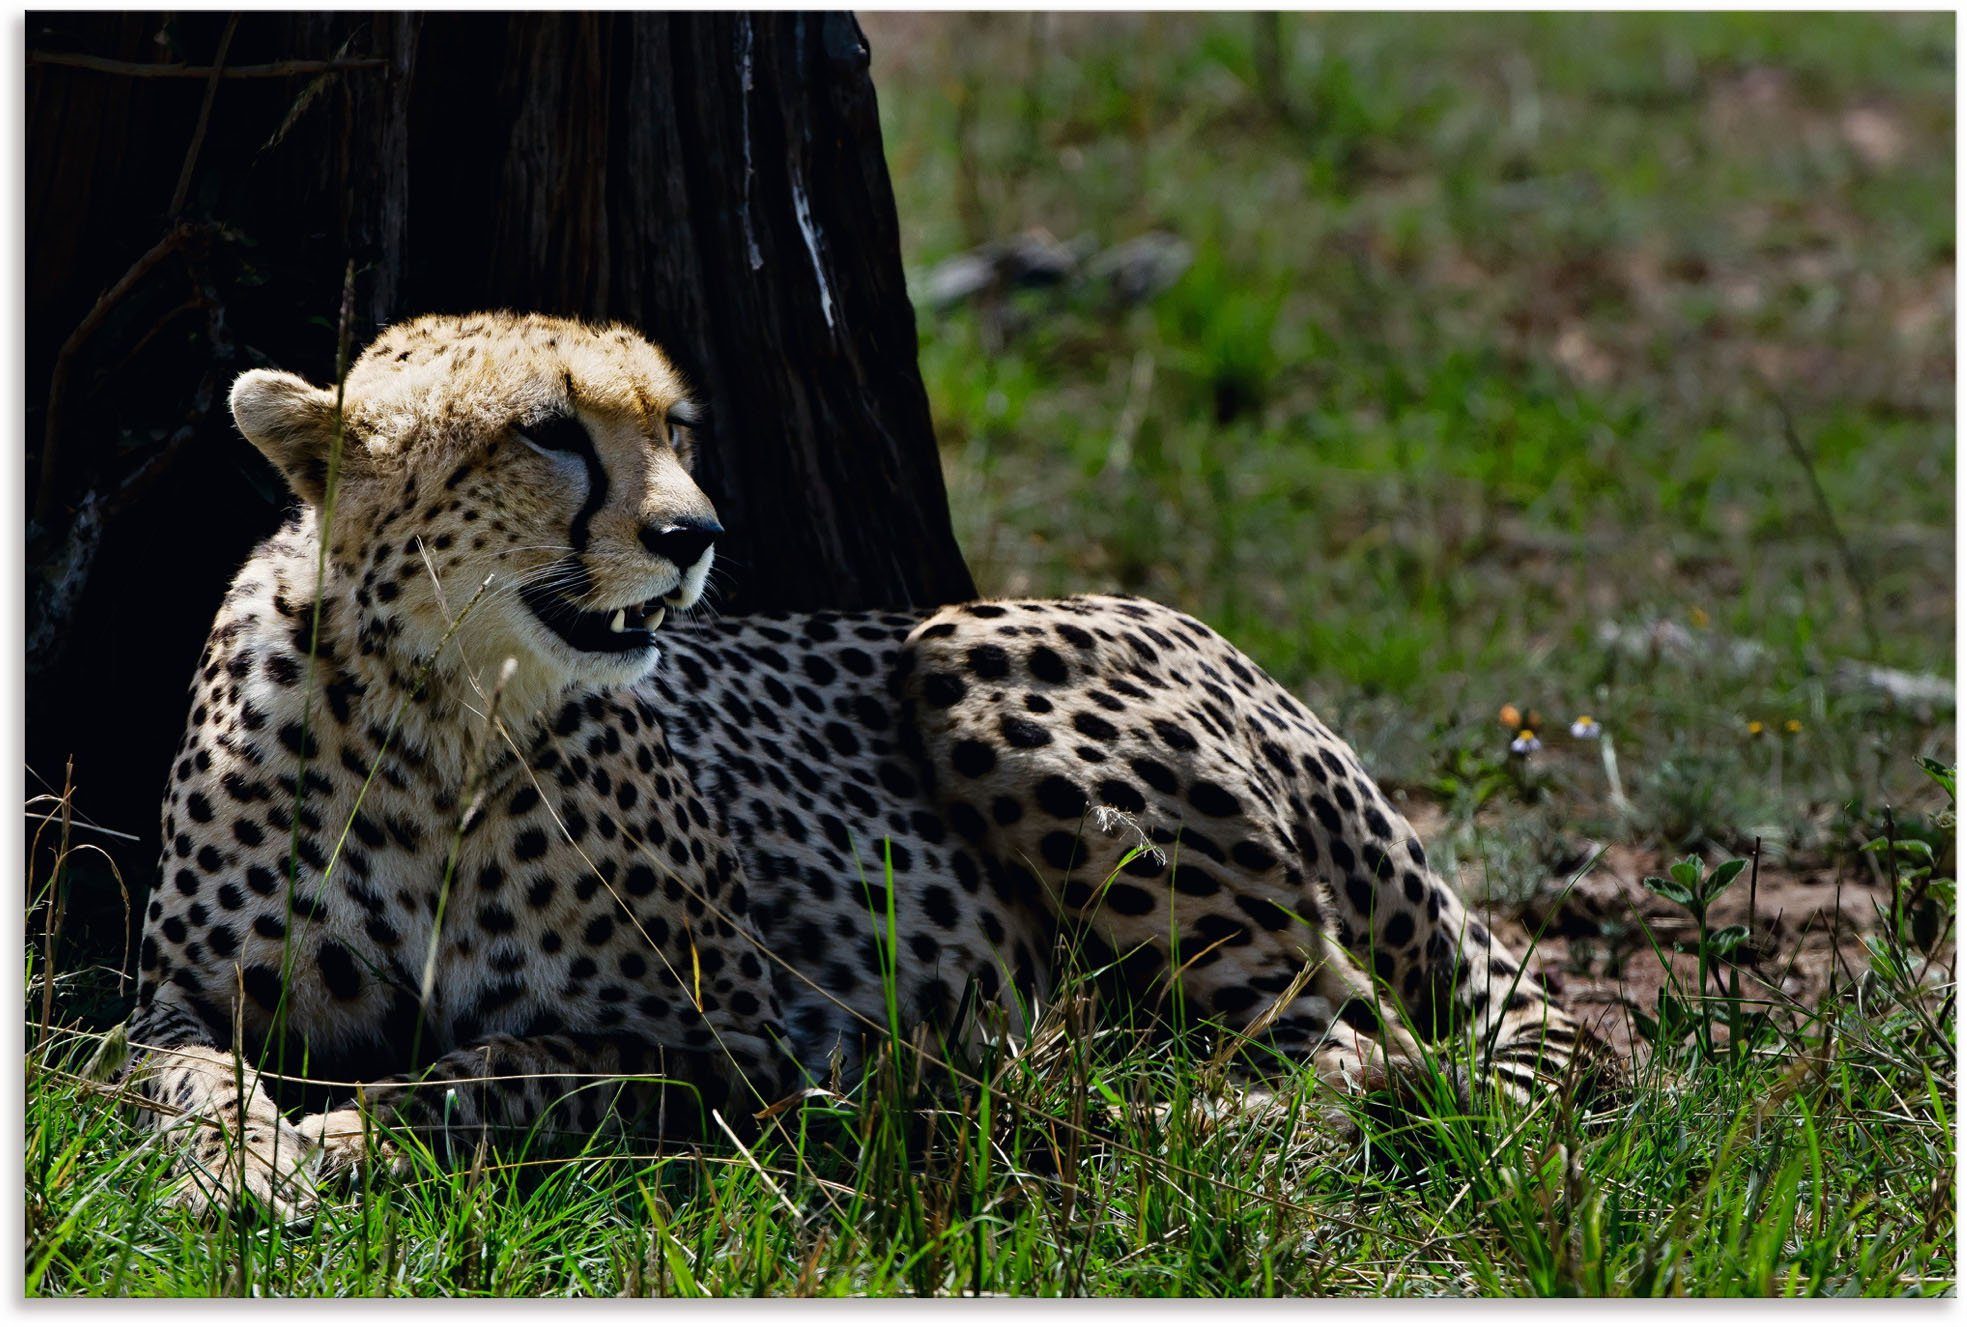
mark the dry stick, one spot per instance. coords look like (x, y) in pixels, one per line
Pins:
(1754, 878)
(137, 69)
(204, 117)
(1850, 560)
(47, 490)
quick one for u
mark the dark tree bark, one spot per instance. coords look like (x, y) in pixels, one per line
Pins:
(715, 180)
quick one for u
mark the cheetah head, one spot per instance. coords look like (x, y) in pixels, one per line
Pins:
(503, 486)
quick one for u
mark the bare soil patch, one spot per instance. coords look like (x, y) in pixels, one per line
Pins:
(1605, 943)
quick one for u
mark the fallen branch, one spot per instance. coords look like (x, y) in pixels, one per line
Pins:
(137, 69)
(48, 491)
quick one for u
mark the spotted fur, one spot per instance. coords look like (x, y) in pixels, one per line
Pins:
(422, 833)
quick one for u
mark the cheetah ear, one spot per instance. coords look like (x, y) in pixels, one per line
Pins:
(292, 422)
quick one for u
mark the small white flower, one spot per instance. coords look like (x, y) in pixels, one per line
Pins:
(1585, 728)
(1525, 742)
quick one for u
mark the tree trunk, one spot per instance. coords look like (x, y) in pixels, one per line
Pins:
(198, 183)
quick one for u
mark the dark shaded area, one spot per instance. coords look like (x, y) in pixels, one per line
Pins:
(715, 180)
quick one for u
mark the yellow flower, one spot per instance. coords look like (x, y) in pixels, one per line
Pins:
(1792, 726)
(1755, 727)
(1698, 616)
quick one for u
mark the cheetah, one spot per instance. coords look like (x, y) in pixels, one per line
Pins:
(467, 814)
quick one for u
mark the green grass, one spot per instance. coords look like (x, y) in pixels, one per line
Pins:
(1477, 355)
(1090, 1162)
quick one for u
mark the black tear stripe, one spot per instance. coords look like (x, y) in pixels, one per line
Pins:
(565, 433)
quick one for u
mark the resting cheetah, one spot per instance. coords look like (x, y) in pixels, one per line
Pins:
(452, 818)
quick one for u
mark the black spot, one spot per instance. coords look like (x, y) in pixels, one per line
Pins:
(1092, 725)
(972, 759)
(940, 905)
(1175, 736)
(1155, 774)
(530, 845)
(1399, 930)
(1356, 1013)
(1061, 798)
(262, 984)
(1128, 900)
(1021, 732)
(989, 662)
(1046, 665)
(1212, 799)
(1252, 856)
(338, 971)
(943, 689)
(1328, 815)
(1121, 796)
(967, 821)
(1359, 894)
(1263, 912)
(1058, 849)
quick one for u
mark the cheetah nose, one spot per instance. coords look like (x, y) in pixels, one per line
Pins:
(682, 542)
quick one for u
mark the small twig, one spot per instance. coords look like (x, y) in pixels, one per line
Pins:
(137, 69)
(1754, 879)
(1892, 874)
(1802, 455)
(47, 491)
(204, 117)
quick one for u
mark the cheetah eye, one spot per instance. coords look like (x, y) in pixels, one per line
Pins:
(686, 424)
(556, 435)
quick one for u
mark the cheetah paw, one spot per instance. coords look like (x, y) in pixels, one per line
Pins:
(271, 1166)
(347, 1142)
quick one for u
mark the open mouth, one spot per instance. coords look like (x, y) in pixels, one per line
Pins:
(626, 630)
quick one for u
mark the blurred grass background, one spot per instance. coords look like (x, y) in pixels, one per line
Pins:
(1478, 359)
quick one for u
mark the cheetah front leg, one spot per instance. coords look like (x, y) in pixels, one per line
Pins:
(209, 1105)
(555, 1089)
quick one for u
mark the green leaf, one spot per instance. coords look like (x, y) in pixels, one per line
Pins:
(1944, 775)
(1724, 876)
(1672, 889)
(1687, 871)
(1727, 940)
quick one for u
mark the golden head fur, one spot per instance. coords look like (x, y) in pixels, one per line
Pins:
(497, 486)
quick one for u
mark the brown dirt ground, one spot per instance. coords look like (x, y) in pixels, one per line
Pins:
(1808, 922)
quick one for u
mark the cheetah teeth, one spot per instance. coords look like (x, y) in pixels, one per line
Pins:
(655, 618)
(619, 622)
